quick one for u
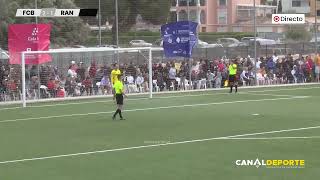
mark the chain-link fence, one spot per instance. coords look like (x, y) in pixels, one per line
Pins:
(73, 74)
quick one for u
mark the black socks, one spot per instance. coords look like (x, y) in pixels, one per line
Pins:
(118, 111)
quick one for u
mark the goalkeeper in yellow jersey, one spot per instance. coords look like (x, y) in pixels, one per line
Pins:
(115, 73)
(233, 76)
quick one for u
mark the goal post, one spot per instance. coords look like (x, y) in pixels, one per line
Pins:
(106, 57)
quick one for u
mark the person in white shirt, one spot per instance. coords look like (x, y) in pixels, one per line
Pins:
(172, 73)
(131, 85)
(210, 77)
(275, 58)
(258, 64)
(72, 72)
(139, 82)
(244, 77)
(172, 76)
(294, 73)
(130, 79)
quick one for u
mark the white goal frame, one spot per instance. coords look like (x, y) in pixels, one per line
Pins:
(100, 49)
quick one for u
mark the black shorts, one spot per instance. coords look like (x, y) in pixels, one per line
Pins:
(232, 78)
(119, 99)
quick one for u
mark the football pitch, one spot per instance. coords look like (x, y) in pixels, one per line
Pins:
(188, 135)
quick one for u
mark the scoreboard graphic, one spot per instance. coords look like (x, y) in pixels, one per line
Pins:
(52, 12)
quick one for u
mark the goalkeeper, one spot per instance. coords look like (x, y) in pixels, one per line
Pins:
(115, 73)
(118, 95)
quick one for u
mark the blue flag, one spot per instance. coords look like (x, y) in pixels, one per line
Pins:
(179, 38)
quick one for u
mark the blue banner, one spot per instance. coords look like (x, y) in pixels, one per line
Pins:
(179, 38)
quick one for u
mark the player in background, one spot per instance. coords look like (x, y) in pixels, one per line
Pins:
(115, 73)
(233, 76)
(119, 94)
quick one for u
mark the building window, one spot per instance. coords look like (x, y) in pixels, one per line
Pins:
(193, 16)
(202, 2)
(296, 3)
(222, 2)
(222, 16)
(192, 3)
(183, 16)
(204, 29)
(182, 2)
(203, 17)
(174, 2)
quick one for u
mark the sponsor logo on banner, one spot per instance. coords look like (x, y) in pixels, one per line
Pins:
(288, 19)
(29, 37)
(179, 38)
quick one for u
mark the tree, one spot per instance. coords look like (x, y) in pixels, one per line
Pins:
(297, 33)
(153, 11)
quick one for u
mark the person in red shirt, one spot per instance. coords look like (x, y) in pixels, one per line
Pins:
(12, 89)
(93, 69)
(60, 93)
(221, 66)
(309, 68)
(51, 87)
(87, 83)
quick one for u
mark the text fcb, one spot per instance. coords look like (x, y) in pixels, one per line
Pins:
(288, 19)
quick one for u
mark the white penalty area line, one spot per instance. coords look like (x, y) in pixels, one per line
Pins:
(154, 145)
(167, 97)
(154, 108)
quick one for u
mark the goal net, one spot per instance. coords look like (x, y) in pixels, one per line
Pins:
(65, 74)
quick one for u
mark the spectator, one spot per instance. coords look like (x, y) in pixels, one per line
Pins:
(74, 66)
(51, 88)
(294, 74)
(172, 76)
(139, 82)
(87, 83)
(210, 77)
(218, 80)
(317, 67)
(12, 89)
(60, 93)
(81, 71)
(183, 74)
(309, 67)
(131, 84)
(258, 63)
(244, 77)
(72, 72)
(92, 70)
(105, 85)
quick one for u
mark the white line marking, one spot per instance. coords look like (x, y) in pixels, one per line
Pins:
(155, 145)
(260, 94)
(110, 100)
(274, 138)
(104, 101)
(153, 108)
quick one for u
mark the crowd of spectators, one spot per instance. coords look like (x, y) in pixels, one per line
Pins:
(79, 79)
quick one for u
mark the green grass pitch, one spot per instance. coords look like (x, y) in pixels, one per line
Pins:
(187, 135)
